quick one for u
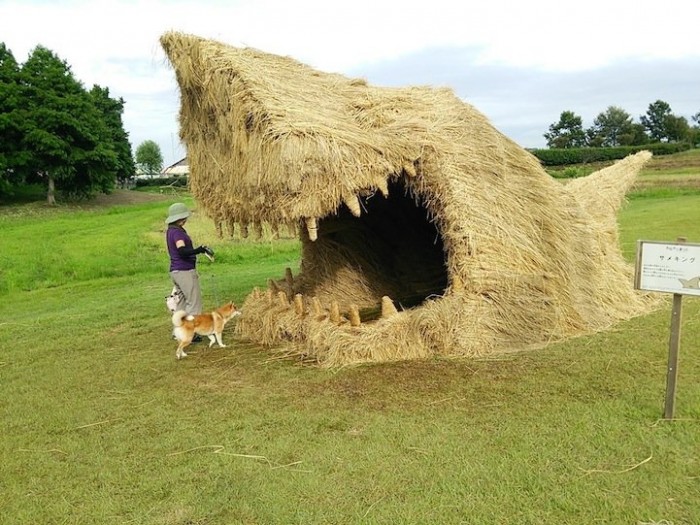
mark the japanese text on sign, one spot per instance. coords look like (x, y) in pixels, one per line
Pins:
(668, 267)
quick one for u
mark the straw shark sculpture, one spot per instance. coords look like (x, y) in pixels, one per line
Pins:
(424, 230)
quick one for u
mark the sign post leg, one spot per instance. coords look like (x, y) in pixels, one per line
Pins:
(673, 350)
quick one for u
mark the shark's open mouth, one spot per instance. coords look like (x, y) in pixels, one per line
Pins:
(424, 230)
(392, 249)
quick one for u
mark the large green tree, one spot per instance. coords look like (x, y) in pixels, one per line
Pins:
(677, 129)
(63, 130)
(567, 133)
(656, 120)
(149, 157)
(613, 127)
(112, 111)
(12, 155)
(694, 134)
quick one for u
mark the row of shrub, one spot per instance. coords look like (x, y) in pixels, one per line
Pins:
(175, 180)
(565, 156)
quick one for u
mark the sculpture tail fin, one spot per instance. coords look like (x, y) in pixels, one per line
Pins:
(602, 193)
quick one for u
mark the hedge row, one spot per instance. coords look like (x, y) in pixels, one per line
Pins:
(564, 156)
(176, 180)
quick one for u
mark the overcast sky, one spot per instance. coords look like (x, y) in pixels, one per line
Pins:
(520, 62)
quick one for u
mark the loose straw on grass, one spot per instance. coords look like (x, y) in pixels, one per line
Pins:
(598, 471)
(219, 449)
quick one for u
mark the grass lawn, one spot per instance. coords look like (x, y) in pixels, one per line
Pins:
(102, 425)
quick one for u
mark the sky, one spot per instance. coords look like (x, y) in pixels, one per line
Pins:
(520, 62)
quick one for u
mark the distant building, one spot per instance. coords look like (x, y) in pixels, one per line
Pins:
(181, 167)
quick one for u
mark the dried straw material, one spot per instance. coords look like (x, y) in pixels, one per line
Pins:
(404, 193)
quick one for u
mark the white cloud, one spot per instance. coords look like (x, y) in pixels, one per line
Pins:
(115, 43)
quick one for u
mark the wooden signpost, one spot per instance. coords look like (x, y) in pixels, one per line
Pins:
(670, 268)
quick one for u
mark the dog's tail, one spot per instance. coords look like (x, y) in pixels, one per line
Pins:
(178, 317)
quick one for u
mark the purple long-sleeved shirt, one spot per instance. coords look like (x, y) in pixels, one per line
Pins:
(177, 261)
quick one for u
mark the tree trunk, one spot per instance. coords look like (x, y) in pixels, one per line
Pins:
(51, 194)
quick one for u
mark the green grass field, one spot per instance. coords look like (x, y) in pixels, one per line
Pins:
(101, 425)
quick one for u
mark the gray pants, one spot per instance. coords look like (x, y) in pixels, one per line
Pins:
(191, 297)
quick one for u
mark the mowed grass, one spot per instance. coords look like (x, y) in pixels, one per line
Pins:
(102, 425)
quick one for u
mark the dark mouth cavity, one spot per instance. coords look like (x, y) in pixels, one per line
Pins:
(394, 246)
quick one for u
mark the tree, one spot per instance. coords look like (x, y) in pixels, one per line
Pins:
(694, 134)
(613, 127)
(112, 111)
(639, 135)
(677, 128)
(655, 120)
(148, 157)
(567, 133)
(11, 150)
(63, 130)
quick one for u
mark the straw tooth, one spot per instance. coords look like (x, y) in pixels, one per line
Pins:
(289, 277)
(312, 228)
(410, 170)
(256, 293)
(282, 298)
(335, 312)
(354, 315)
(316, 304)
(299, 304)
(244, 230)
(388, 308)
(457, 284)
(270, 295)
(353, 204)
(383, 187)
(272, 285)
(258, 227)
(275, 231)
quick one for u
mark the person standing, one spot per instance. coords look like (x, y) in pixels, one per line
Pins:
(183, 260)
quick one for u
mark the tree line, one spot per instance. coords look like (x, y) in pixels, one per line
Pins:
(55, 132)
(615, 127)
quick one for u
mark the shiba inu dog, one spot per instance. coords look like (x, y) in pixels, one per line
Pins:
(210, 324)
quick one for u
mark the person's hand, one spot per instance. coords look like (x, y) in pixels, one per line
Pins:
(208, 251)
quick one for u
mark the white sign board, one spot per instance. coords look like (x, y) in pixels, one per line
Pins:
(671, 267)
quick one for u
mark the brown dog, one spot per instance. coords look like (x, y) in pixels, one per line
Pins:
(210, 324)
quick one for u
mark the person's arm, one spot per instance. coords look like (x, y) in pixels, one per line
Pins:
(184, 251)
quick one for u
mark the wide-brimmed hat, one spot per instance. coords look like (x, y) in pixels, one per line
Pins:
(176, 212)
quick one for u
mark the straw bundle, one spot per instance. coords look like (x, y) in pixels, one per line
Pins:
(405, 195)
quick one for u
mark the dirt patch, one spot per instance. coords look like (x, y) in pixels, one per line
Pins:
(124, 198)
